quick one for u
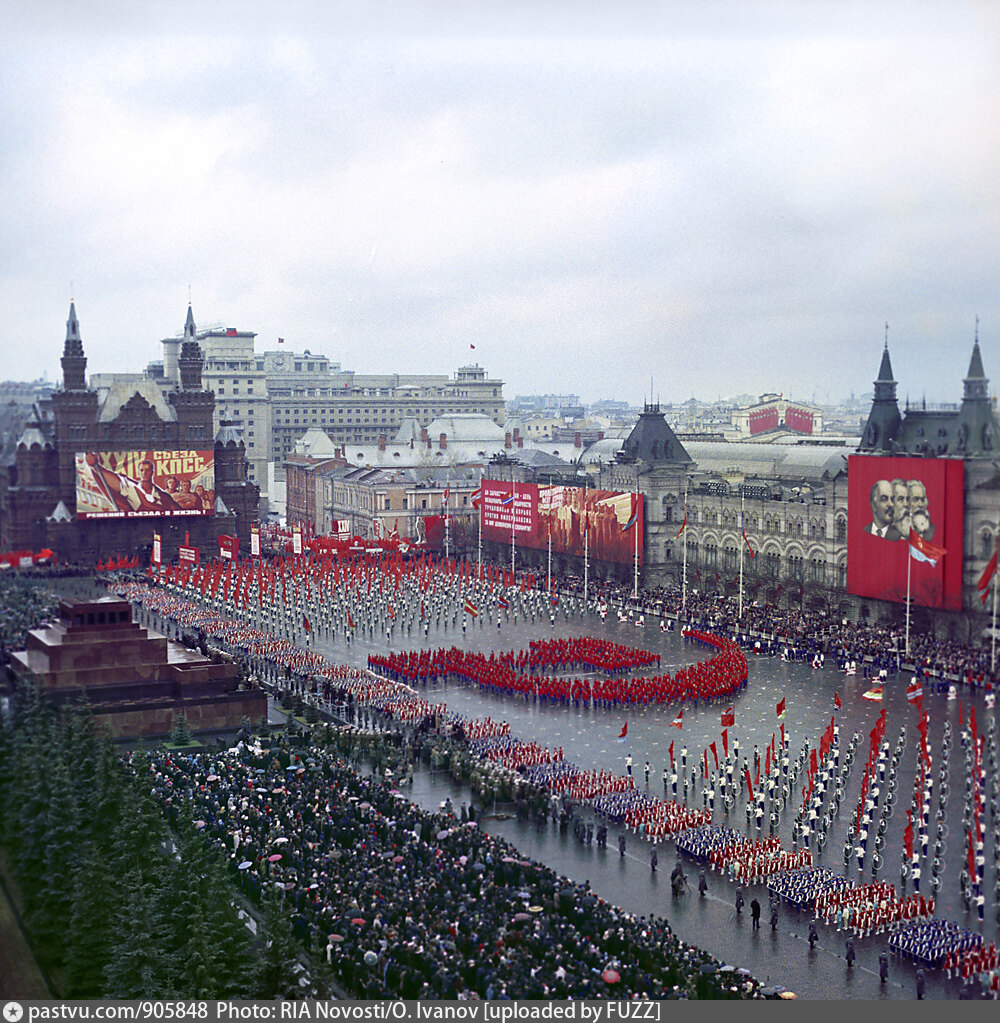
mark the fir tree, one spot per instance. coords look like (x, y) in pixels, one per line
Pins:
(180, 735)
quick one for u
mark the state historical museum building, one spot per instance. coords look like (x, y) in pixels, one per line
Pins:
(96, 474)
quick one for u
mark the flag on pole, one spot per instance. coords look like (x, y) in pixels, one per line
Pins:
(747, 542)
(728, 718)
(983, 583)
(623, 733)
(670, 751)
(678, 721)
(914, 691)
(725, 741)
(470, 608)
(836, 701)
(476, 496)
(746, 773)
(306, 625)
(924, 550)
(350, 621)
(715, 753)
(683, 524)
(875, 693)
(780, 710)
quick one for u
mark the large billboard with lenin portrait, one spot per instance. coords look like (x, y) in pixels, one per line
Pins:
(608, 525)
(127, 484)
(906, 513)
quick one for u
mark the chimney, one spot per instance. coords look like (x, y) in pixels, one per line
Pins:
(506, 440)
(517, 434)
(443, 441)
(423, 434)
(576, 440)
(381, 442)
(520, 442)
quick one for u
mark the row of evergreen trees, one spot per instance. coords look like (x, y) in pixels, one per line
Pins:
(116, 906)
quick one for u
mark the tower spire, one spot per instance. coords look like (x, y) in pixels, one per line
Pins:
(74, 361)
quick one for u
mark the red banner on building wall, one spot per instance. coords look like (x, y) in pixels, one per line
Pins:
(607, 524)
(888, 496)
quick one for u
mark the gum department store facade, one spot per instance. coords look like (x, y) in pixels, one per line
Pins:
(795, 503)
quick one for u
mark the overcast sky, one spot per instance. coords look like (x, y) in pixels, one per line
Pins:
(703, 198)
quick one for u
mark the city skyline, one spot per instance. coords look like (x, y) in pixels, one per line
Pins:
(591, 202)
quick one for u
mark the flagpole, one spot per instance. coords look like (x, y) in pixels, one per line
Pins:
(513, 505)
(635, 526)
(550, 563)
(479, 513)
(993, 639)
(742, 545)
(909, 566)
(587, 556)
(447, 518)
(684, 570)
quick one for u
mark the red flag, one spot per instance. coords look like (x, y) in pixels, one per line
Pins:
(306, 625)
(746, 772)
(973, 876)
(728, 718)
(623, 732)
(767, 761)
(725, 742)
(678, 721)
(923, 550)
(715, 754)
(671, 752)
(780, 709)
(836, 701)
(350, 621)
(705, 755)
(983, 584)
(914, 691)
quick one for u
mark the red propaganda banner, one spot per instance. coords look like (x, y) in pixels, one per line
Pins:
(127, 484)
(229, 547)
(606, 524)
(188, 555)
(886, 499)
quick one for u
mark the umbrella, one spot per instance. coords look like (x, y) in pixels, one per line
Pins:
(280, 841)
(522, 916)
(787, 995)
(397, 859)
(359, 920)
(336, 939)
(245, 865)
(443, 834)
(199, 824)
(274, 857)
(534, 909)
(212, 777)
(611, 976)
(289, 885)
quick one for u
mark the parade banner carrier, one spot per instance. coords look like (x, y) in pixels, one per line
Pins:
(127, 484)
(576, 518)
(887, 499)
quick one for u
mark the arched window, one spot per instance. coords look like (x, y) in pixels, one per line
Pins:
(840, 525)
(987, 549)
(795, 566)
(817, 570)
(772, 564)
(729, 558)
(711, 555)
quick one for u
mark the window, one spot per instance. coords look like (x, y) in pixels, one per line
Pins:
(817, 570)
(841, 528)
(772, 564)
(795, 566)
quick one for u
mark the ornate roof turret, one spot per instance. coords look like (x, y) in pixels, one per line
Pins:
(652, 441)
(74, 362)
(978, 431)
(189, 328)
(884, 419)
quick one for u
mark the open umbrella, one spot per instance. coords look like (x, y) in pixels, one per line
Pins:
(245, 865)
(274, 857)
(610, 976)
(280, 841)
(359, 920)
(522, 916)
(787, 995)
